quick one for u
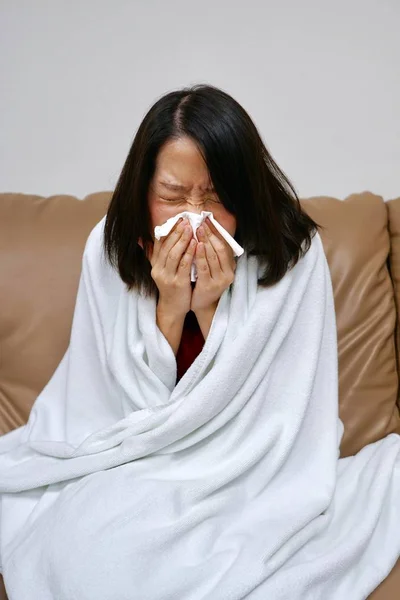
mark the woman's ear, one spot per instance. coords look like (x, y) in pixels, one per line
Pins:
(140, 243)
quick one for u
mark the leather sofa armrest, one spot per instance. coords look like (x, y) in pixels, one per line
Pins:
(3, 595)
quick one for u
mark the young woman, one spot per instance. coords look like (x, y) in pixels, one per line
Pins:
(198, 150)
(187, 446)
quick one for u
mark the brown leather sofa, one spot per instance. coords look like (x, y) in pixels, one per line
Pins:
(41, 245)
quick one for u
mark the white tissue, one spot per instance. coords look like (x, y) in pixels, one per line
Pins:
(195, 220)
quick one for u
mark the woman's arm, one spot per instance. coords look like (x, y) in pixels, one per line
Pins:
(205, 317)
(170, 325)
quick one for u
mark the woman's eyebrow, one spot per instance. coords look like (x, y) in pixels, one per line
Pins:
(173, 186)
(179, 188)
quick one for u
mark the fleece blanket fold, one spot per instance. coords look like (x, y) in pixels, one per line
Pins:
(224, 486)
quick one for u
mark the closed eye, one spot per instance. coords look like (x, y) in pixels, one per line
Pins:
(173, 199)
(184, 199)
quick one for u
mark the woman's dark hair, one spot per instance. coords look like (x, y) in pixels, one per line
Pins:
(270, 221)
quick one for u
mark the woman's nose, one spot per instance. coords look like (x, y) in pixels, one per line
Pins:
(196, 206)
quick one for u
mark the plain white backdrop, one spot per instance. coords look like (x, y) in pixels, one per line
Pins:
(321, 80)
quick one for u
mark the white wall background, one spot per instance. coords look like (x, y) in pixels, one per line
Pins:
(321, 79)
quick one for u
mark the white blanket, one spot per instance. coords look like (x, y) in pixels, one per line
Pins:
(228, 485)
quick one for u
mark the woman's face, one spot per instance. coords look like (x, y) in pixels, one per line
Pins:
(181, 182)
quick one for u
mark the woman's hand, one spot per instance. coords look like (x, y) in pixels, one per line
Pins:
(171, 260)
(216, 267)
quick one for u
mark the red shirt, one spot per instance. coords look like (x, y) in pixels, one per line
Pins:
(191, 345)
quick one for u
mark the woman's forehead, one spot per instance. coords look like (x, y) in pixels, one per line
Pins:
(180, 163)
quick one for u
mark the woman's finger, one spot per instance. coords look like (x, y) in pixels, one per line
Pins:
(210, 253)
(187, 259)
(202, 266)
(221, 248)
(168, 242)
(174, 256)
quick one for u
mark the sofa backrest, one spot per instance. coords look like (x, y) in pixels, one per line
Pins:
(357, 244)
(393, 208)
(41, 246)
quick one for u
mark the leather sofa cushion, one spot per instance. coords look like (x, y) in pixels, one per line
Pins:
(393, 208)
(41, 246)
(356, 242)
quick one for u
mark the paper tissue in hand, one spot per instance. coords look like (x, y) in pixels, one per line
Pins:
(195, 220)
